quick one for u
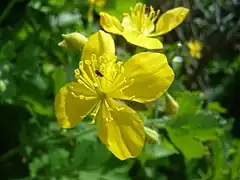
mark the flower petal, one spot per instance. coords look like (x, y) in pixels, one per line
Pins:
(100, 44)
(72, 103)
(146, 75)
(170, 19)
(139, 39)
(120, 129)
(98, 51)
(128, 24)
(110, 23)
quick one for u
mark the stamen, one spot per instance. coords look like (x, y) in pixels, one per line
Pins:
(143, 18)
(156, 16)
(95, 85)
(89, 66)
(109, 118)
(132, 97)
(117, 84)
(93, 68)
(118, 72)
(151, 14)
(83, 97)
(129, 83)
(84, 77)
(94, 113)
(87, 62)
(77, 73)
(82, 81)
(112, 107)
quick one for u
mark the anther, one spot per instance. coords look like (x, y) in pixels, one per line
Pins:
(82, 97)
(95, 85)
(108, 120)
(94, 59)
(87, 62)
(132, 97)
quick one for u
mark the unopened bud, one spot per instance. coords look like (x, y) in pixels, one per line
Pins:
(171, 106)
(74, 41)
(151, 136)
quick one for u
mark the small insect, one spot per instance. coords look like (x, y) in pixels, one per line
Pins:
(98, 73)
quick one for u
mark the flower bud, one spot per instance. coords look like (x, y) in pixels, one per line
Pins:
(171, 106)
(74, 41)
(151, 136)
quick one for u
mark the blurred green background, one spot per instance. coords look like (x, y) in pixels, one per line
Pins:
(199, 142)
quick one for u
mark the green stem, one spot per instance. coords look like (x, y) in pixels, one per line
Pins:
(7, 10)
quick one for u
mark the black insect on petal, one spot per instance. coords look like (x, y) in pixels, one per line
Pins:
(98, 73)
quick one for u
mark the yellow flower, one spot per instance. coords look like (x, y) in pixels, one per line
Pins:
(92, 3)
(195, 48)
(99, 80)
(139, 26)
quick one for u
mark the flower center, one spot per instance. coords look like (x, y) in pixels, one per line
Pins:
(100, 94)
(101, 75)
(144, 18)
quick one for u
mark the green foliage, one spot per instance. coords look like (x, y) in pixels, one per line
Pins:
(194, 143)
(117, 8)
(191, 126)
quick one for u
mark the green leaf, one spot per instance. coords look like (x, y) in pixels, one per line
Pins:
(117, 7)
(59, 78)
(41, 108)
(93, 175)
(59, 158)
(7, 51)
(27, 63)
(235, 170)
(191, 126)
(200, 126)
(91, 153)
(188, 103)
(155, 151)
(219, 159)
(117, 173)
(37, 164)
(189, 137)
(190, 147)
(216, 106)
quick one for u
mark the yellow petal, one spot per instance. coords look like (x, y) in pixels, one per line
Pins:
(170, 19)
(100, 44)
(97, 52)
(120, 129)
(72, 103)
(110, 23)
(138, 39)
(128, 23)
(146, 75)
